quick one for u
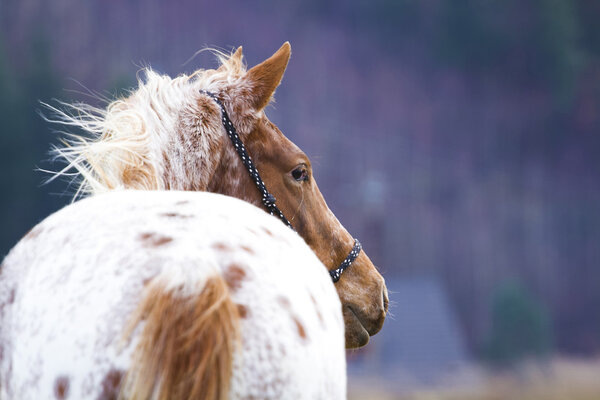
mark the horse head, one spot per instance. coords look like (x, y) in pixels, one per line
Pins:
(288, 174)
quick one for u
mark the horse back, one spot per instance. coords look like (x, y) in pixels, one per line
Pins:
(113, 291)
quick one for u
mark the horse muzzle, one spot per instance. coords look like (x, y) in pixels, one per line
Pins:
(363, 323)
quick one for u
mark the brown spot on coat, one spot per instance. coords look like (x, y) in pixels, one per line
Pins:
(146, 281)
(181, 202)
(300, 328)
(285, 302)
(221, 246)
(234, 274)
(318, 310)
(111, 385)
(174, 215)
(242, 310)
(154, 239)
(248, 250)
(267, 231)
(61, 387)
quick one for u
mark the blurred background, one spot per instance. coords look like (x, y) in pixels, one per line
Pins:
(458, 140)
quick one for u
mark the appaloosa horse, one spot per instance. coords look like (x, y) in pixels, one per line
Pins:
(167, 295)
(203, 132)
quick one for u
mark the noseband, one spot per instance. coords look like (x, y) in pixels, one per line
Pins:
(268, 199)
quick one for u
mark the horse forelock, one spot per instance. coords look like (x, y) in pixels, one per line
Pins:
(164, 135)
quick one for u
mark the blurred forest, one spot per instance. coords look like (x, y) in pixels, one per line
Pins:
(456, 139)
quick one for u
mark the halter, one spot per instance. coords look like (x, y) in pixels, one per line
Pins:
(268, 199)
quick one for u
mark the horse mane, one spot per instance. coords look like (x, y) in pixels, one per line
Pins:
(120, 146)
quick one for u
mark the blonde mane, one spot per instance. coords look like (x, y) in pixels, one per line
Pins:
(123, 145)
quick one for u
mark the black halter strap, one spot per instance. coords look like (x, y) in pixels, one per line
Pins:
(268, 199)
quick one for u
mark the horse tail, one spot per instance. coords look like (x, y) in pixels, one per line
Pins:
(186, 346)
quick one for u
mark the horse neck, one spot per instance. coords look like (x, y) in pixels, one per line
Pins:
(230, 178)
(191, 156)
(201, 157)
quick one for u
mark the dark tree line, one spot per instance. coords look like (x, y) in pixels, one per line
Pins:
(458, 139)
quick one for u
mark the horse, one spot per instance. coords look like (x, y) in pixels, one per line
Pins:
(168, 134)
(167, 295)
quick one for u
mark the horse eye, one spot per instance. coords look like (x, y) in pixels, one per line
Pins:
(300, 174)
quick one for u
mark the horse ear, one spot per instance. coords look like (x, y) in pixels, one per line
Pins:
(238, 54)
(235, 57)
(266, 76)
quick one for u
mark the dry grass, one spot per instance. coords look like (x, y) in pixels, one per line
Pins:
(559, 380)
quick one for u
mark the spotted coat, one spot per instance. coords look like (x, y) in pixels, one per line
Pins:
(69, 287)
